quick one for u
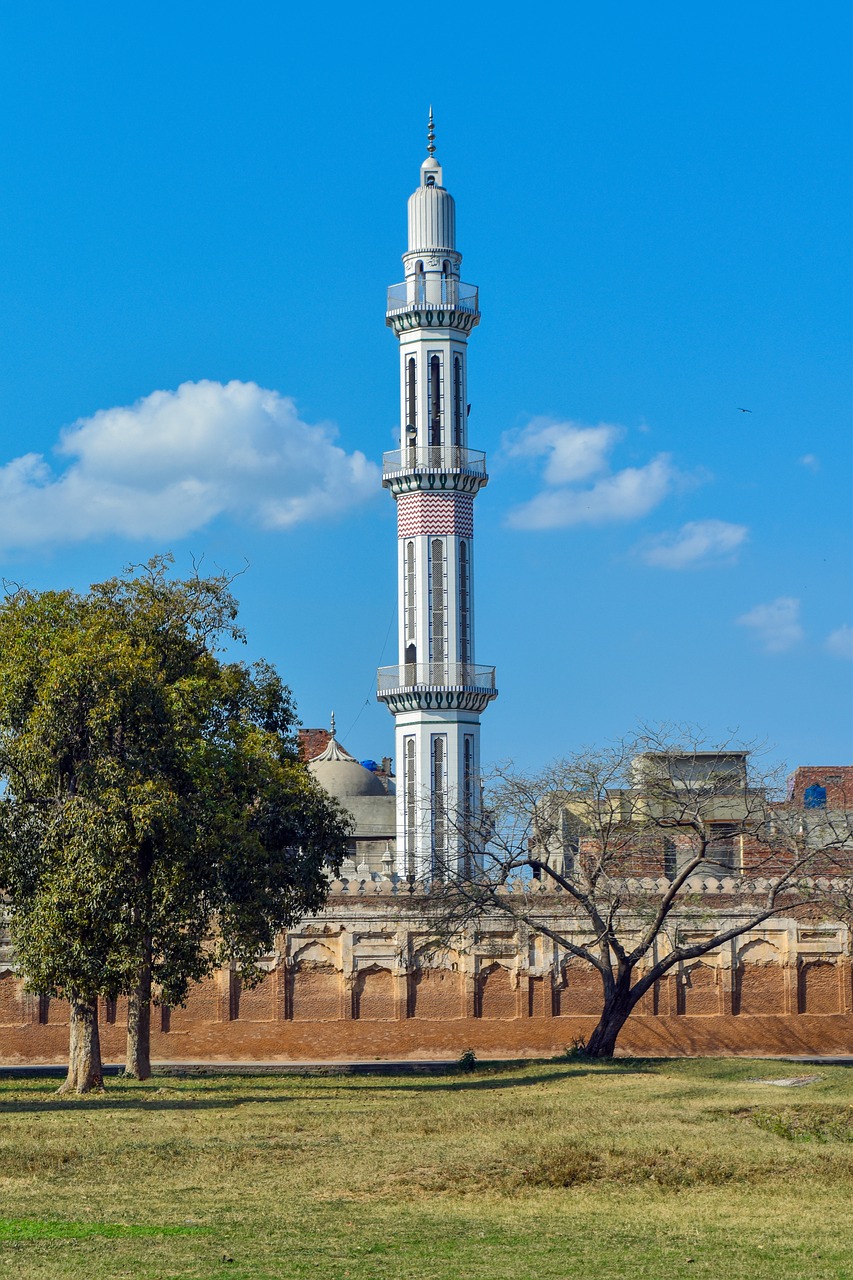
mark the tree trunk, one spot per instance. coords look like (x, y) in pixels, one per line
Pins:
(616, 1011)
(85, 1071)
(138, 1055)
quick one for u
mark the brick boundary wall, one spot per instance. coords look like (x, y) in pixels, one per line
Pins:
(360, 982)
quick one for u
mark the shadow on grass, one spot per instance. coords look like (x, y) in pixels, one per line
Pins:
(127, 1095)
(45, 1229)
(117, 1102)
(487, 1077)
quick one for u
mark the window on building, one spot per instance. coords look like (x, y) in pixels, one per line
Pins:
(409, 601)
(468, 776)
(411, 797)
(570, 841)
(438, 609)
(420, 282)
(464, 604)
(435, 400)
(411, 403)
(814, 797)
(670, 858)
(724, 846)
(458, 407)
(439, 801)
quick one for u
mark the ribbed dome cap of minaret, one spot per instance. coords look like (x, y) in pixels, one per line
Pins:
(432, 211)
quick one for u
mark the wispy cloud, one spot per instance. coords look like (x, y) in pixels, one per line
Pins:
(695, 545)
(574, 453)
(840, 642)
(810, 461)
(776, 625)
(175, 460)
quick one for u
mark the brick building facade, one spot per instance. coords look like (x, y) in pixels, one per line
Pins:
(359, 982)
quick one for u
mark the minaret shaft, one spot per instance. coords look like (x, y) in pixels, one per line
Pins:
(436, 692)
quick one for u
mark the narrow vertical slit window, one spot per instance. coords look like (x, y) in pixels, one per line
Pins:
(670, 858)
(438, 611)
(435, 400)
(458, 406)
(467, 801)
(464, 605)
(409, 589)
(410, 802)
(411, 423)
(439, 802)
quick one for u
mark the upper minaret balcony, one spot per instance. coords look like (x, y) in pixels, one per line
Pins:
(432, 299)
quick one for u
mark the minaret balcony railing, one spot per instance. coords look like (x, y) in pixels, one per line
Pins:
(433, 295)
(435, 457)
(416, 676)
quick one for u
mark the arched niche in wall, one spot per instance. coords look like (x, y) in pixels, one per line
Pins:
(818, 989)
(699, 990)
(578, 991)
(759, 986)
(373, 994)
(495, 993)
(315, 985)
(435, 986)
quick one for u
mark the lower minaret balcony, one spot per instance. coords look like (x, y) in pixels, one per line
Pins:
(439, 466)
(436, 686)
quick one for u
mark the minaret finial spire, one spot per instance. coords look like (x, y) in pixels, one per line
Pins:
(431, 134)
(332, 724)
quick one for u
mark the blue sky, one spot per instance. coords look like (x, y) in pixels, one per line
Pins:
(655, 203)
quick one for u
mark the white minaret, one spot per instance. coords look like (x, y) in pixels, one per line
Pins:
(436, 692)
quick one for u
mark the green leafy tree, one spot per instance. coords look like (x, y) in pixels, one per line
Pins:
(155, 820)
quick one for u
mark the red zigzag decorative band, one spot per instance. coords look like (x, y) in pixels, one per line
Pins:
(435, 515)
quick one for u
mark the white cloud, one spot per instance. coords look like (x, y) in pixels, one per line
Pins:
(776, 625)
(173, 461)
(626, 495)
(695, 544)
(811, 461)
(574, 453)
(840, 642)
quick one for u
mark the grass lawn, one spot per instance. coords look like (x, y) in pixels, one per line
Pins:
(616, 1171)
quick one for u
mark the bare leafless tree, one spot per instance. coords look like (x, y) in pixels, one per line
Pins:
(607, 854)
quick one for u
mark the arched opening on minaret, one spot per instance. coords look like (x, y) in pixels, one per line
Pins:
(411, 406)
(438, 618)
(410, 797)
(446, 282)
(464, 604)
(435, 401)
(410, 602)
(420, 283)
(467, 800)
(458, 419)
(439, 802)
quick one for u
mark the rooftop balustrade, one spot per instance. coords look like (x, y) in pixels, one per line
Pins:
(433, 294)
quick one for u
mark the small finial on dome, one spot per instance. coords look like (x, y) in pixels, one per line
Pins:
(431, 134)
(332, 725)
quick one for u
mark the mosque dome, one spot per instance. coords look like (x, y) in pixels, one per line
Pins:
(342, 776)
